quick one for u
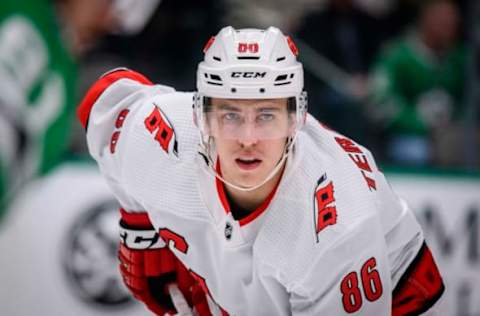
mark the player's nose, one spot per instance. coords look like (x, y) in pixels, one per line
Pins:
(247, 135)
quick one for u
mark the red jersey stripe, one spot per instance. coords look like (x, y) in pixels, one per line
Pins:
(420, 286)
(85, 107)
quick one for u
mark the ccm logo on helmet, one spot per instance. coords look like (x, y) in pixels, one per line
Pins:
(248, 74)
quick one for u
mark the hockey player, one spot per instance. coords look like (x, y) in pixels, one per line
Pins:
(248, 205)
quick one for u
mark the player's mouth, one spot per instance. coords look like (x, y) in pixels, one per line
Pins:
(248, 164)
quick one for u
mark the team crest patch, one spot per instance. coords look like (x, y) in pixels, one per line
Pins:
(325, 211)
(158, 124)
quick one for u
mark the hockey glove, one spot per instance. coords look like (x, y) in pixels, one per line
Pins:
(152, 272)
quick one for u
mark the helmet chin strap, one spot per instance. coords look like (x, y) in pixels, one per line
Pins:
(210, 169)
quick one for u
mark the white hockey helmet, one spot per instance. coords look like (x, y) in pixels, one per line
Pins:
(251, 64)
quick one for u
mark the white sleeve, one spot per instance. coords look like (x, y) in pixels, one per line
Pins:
(416, 280)
(107, 112)
(403, 234)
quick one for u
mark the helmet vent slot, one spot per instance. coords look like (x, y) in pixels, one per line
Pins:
(281, 58)
(281, 77)
(248, 57)
(217, 58)
(215, 83)
(282, 83)
(215, 77)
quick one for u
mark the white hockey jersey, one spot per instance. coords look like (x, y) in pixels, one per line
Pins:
(332, 239)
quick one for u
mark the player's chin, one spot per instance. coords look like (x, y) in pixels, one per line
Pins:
(250, 179)
(248, 182)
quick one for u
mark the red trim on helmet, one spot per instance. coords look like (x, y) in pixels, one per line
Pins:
(85, 107)
(209, 43)
(292, 46)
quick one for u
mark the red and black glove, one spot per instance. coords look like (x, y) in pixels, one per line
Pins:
(148, 268)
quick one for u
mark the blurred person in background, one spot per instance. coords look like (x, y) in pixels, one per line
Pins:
(40, 43)
(345, 34)
(283, 13)
(417, 89)
(167, 48)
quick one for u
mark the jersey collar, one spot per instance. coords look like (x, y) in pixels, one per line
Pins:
(226, 206)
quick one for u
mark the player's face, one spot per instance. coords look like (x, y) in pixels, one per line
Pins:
(250, 137)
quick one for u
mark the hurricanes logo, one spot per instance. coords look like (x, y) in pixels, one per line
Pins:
(157, 123)
(325, 211)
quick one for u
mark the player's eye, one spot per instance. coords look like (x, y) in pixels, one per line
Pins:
(265, 117)
(231, 117)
